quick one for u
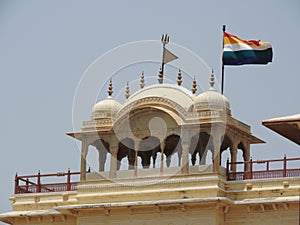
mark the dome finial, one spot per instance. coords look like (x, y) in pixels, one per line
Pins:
(160, 76)
(194, 89)
(127, 91)
(142, 80)
(212, 79)
(110, 88)
(179, 77)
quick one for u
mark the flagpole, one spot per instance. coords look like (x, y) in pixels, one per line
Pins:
(165, 40)
(162, 61)
(222, 87)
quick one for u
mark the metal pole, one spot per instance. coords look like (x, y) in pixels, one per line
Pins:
(165, 40)
(163, 59)
(222, 87)
(251, 169)
(38, 182)
(299, 207)
(284, 166)
(16, 184)
(27, 185)
(69, 180)
(227, 168)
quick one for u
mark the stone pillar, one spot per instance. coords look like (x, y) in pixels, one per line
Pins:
(162, 147)
(84, 151)
(136, 149)
(113, 161)
(203, 157)
(216, 149)
(102, 158)
(246, 156)
(185, 143)
(203, 150)
(233, 153)
(185, 158)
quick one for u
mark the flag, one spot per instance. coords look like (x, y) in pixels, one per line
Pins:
(239, 52)
(168, 56)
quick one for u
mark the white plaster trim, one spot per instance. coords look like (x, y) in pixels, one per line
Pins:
(138, 183)
(30, 213)
(180, 201)
(268, 180)
(44, 194)
(144, 203)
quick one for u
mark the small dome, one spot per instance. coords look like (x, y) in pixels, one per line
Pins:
(106, 108)
(212, 99)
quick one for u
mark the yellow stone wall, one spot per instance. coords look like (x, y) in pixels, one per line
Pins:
(171, 215)
(199, 198)
(270, 216)
(67, 220)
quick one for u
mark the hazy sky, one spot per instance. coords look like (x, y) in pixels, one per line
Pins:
(45, 47)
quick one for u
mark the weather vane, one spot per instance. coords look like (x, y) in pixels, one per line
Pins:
(167, 56)
(165, 39)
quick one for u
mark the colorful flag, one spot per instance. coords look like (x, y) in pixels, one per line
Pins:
(240, 52)
(168, 56)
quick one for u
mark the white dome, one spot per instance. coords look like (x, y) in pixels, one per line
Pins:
(212, 100)
(177, 94)
(106, 108)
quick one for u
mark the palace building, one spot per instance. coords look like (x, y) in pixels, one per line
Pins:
(170, 142)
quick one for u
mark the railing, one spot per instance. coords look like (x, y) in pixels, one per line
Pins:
(250, 172)
(34, 184)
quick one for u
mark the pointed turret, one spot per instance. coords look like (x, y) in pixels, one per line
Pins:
(179, 78)
(110, 88)
(127, 91)
(142, 80)
(194, 89)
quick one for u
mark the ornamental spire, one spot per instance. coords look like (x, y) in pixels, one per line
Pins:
(142, 80)
(110, 88)
(194, 89)
(160, 76)
(179, 77)
(127, 91)
(212, 79)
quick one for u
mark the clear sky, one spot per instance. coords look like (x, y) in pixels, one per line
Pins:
(45, 47)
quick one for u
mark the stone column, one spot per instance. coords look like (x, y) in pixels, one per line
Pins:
(162, 147)
(233, 153)
(216, 149)
(102, 158)
(136, 149)
(113, 161)
(203, 150)
(185, 158)
(84, 151)
(203, 157)
(185, 143)
(246, 156)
